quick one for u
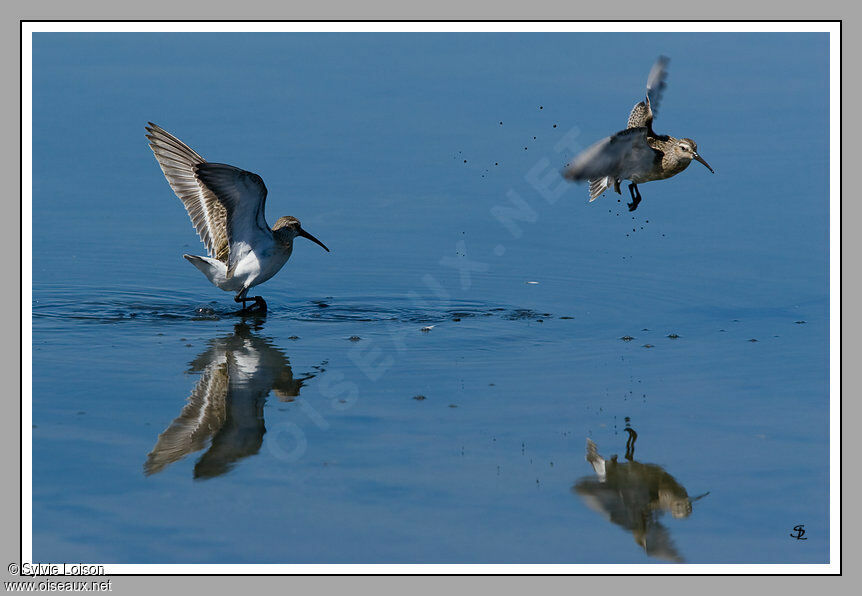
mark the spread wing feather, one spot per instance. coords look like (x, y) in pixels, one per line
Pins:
(178, 162)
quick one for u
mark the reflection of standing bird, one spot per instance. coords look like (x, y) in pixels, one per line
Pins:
(226, 406)
(637, 153)
(226, 206)
(633, 495)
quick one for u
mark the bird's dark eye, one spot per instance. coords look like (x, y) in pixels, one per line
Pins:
(683, 147)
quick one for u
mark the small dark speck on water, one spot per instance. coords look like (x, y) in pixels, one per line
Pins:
(567, 317)
(800, 322)
(453, 406)
(555, 126)
(540, 320)
(491, 385)
(465, 161)
(649, 346)
(419, 397)
(525, 148)
(496, 163)
(81, 413)
(188, 345)
(322, 305)
(626, 338)
(752, 340)
(354, 338)
(456, 319)
(534, 138)
(293, 337)
(501, 123)
(541, 108)
(673, 336)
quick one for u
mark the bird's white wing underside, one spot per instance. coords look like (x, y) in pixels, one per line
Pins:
(243, 194)
(178, 162)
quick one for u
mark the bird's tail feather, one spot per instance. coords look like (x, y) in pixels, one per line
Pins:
(596, 460)
(598, 186)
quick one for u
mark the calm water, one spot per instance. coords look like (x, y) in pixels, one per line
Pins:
(168, 430)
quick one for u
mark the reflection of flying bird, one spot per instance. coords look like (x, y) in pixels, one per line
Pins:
(226, 406)
(226, 206)
(634, 495)
(637, 153)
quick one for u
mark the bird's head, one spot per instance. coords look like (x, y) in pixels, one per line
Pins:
(686, 150)
(287, 228)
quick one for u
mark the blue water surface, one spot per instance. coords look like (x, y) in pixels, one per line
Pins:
(424, 392)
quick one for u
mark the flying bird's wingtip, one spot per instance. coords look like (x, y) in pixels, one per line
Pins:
(566, 173)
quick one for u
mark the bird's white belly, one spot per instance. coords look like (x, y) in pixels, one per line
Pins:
(255, 267)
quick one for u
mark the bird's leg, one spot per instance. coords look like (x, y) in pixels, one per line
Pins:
(636, 196)
(241, 297)
(630, 444)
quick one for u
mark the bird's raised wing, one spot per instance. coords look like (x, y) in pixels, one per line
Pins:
(645, 111)
(656, 83)
(620, 156)
(178, 162)
(243, 195)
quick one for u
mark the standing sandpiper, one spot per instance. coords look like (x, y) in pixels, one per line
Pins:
(637, 153)
(226, 206)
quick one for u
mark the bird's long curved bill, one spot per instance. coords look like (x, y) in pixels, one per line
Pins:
(305, 234)
(703, 161)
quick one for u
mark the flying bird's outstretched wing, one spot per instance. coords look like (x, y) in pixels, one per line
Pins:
(645, 111)
(621, 156)
(243, 195)
(178, 162)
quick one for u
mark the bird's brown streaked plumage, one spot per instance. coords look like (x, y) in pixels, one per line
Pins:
(637, 153)
(644, 112)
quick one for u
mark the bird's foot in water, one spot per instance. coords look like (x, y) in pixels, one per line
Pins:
(258, 308)
(633, 205)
